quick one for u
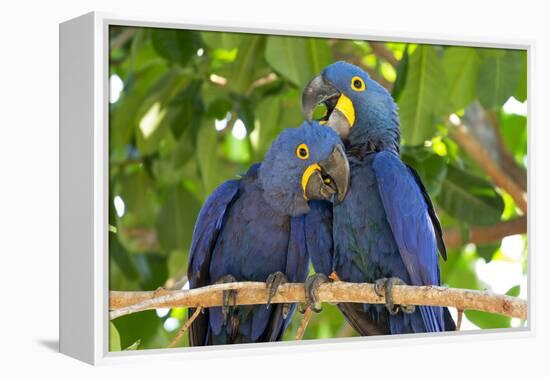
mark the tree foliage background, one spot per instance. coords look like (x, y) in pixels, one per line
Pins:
(191, 109)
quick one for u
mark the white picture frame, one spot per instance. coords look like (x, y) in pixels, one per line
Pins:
(84, 106)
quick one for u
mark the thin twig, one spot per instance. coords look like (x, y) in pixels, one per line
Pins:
(184, 328)
(253, 293)
(459, 132)
(459, 315)
(303, 324)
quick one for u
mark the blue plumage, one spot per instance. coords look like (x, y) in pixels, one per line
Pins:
(253, 227)
(386, 226)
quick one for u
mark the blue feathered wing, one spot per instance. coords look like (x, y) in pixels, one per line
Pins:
(413, 227)
(208, 226)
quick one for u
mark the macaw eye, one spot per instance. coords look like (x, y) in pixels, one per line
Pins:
(357, 84)
(302, 151)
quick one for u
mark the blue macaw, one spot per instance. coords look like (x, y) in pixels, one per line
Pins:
(252, 229)
(386, 230)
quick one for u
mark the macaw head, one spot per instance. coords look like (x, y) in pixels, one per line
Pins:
(357, 107)
(303, 164)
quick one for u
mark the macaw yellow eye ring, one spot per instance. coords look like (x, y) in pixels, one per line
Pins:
(357, 84)
(302, 151)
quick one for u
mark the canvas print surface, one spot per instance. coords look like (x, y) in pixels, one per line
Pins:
(269, 188)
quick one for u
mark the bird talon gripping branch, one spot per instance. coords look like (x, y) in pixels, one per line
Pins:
(273, 282)
(311, 285)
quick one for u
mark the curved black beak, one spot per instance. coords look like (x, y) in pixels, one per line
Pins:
(329, 179)
(340, 114)
(316, 92)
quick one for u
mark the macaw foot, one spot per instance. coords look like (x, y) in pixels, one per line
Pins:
(311, 285)
(273, 282)
(228, 295)
(384, 287)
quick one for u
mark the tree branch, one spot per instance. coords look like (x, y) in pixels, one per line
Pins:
(464, 138)
(486, 234)
(254, 293)
(379, 49)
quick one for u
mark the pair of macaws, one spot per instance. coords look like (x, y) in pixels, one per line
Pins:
(336, 194)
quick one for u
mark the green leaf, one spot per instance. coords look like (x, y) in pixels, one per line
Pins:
(521, 88)
(461, 65)
(487, 320)
(514, 291)
(152, 119)
(177, 46)
(470, 198)
(139, 197)
(320, 55)
(421, 102)
(143, 326)
(275, 113)
(268, 113)
(487, 251)
(431, 167)
(124, 115)
(176, 219)
(297, 58)
(176, 264)
(245, 111)
(114, 338)
(459, 270)
(134, 346)
(247, 66)
(218, 108)
(514, 134)
(122, 258)
(185, 109)
(401, 74)
(223, 40)
(497, 78)
(208, 159)
(153, 270)
(236, 150)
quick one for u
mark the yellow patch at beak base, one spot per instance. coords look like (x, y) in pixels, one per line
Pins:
(307, 174)
(345, 106)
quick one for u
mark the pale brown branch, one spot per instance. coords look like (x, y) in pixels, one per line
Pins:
(464, 138)
(379, 49)
(486, 234)
(303, 324)
(254, 293)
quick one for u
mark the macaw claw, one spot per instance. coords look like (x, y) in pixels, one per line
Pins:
(273, 282)
(311, 285)
(228, 295)
(384, 287)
